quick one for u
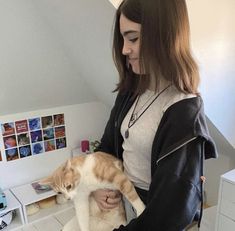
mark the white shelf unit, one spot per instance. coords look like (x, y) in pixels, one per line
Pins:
(27, 195)
(225, 220)
(13, 204)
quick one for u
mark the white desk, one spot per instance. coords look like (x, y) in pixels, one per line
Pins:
(225, 220)
(27, 195)
(13, 204)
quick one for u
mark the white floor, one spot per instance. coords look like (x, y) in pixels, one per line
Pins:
(208, 220)
(56, 222)
(53, 223)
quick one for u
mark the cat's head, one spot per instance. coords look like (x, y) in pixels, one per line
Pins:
(64, 180)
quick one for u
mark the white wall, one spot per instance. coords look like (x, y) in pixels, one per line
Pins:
(214, 168)
(82, 121)
(213, 35)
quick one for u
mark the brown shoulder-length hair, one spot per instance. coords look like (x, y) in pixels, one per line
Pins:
(164, 46)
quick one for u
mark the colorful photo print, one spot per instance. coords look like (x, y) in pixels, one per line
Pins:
(58, 119)
(61, 143)
(25, 151)
(48, 134)
(21, 126)
(49, 145)
(9, 141)
(12, 154)
(8, 129)
(34, 124)
(37, 148)
(47, 122)
(36, 136)
(59, 132)
(23, 139)
(0, 156)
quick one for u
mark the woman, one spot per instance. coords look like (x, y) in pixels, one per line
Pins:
(157, 125)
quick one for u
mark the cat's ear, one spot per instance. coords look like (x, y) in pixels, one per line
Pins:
(46, 181)
(67, 165)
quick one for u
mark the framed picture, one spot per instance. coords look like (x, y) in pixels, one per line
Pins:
(37, 148)
(9, 141)
(25, 151)
(12, 154)
(21, 126)
(49, 145)
(34, 124)
(8, 129)
(47, 122)
(33, 136)
(58, 119)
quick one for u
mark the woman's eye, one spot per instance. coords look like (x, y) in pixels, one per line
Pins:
(68, 187)
(133, 40)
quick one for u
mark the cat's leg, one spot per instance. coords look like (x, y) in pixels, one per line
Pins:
(81, 204)
(125, 186)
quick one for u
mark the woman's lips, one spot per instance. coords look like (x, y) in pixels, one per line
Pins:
(131, 60)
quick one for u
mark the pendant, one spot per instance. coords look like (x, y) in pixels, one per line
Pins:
(127, 133)
(133, 117)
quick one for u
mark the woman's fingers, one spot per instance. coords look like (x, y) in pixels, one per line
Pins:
(107, 199)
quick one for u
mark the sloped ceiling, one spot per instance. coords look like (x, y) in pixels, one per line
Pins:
(55, 53)
(85, 29)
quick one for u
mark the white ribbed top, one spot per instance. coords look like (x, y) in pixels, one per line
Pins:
(137, 147)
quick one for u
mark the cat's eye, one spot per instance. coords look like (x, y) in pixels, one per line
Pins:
(68, 187)
(59, 192)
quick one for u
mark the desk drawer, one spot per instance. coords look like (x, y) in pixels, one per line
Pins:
(228, 200)
(225, 224)
(228, 191)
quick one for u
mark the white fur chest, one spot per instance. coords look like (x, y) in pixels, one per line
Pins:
(88, 181)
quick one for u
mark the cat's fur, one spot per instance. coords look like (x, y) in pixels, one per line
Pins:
(81, 175)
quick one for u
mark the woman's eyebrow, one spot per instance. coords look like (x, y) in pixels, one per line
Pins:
(125, 33)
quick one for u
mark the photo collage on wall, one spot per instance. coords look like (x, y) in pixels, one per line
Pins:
(33, 136)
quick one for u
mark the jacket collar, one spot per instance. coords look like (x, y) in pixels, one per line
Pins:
(186, 121)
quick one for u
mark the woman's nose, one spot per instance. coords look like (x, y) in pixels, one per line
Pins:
(126, 50)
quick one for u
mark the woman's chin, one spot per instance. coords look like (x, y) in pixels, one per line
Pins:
(136, 70)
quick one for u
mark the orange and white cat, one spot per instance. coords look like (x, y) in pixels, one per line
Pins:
(82, 175)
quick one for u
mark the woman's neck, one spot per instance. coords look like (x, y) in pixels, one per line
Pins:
(162, 84)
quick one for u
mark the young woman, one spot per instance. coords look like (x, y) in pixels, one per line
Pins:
(157, 125)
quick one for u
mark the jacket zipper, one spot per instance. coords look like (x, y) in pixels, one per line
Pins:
(169, 153)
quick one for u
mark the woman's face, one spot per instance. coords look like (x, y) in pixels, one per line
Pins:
(131, 42)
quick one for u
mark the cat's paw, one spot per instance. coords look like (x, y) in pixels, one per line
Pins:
(140, 208)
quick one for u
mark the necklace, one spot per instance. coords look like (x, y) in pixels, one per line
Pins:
(135, 113)
(134, 118)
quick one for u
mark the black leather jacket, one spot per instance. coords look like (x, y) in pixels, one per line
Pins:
(181, 144)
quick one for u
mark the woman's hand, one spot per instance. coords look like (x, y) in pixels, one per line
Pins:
(107, 199)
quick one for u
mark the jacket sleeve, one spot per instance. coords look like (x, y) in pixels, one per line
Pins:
(174, 193)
